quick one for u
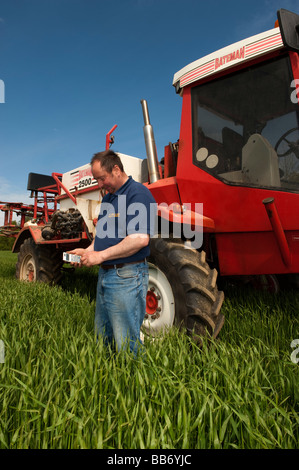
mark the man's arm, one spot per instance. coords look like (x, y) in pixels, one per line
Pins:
(127, 247)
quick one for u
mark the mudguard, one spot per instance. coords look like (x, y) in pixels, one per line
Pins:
(178, 214)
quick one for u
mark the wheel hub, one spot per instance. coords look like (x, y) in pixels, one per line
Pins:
(28, 269)
(30, 273)
(160, 306)
(153, 308)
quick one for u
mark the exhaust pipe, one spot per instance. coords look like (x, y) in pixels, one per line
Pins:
(150, 145)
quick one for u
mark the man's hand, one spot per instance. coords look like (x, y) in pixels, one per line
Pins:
(91, 258)
(88, 258)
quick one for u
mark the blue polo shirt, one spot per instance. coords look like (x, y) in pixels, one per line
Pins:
(131, 209)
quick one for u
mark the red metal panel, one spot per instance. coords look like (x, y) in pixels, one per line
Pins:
(237, 208)
(165, 190)
(169, 169)
(255, 253)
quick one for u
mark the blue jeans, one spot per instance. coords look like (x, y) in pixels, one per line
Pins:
(120, 305)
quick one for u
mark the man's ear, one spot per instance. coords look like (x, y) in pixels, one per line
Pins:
(116, 170)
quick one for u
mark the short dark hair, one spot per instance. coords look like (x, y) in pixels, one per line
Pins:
(108, 159)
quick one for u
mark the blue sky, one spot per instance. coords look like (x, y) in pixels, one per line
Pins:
(74, 68)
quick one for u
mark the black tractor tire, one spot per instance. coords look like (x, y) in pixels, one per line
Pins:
(265, 283)
(38, 263)
(182, 291)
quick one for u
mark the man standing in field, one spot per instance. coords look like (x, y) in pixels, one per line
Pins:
(120, 247)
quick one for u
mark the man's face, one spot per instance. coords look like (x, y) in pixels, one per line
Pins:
(110, 182)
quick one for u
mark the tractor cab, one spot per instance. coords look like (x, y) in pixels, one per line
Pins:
(245, 127)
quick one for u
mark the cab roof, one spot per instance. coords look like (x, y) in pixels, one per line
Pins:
(229, 56)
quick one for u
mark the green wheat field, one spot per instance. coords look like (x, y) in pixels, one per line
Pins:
(60, 389)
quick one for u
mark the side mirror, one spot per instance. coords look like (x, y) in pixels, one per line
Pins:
(289, 28)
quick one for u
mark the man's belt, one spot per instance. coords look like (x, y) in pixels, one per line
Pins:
(121, 265)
